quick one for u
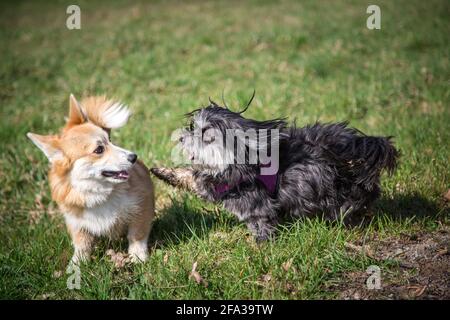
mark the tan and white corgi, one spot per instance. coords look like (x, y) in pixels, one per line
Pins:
(102, 190)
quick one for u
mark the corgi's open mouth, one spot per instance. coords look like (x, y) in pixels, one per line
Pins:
(121, 175)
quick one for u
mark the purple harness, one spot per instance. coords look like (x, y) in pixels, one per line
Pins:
(269, 181)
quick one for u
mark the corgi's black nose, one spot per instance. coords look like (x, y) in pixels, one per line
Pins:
(132, 157)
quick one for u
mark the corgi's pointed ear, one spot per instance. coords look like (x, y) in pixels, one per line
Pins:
(48, 144)
(76, 113)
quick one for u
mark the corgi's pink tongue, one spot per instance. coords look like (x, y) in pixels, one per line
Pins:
(123, 175)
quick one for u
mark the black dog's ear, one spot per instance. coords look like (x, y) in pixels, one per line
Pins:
(192, 113)
(248, 103)
(223, 100)
(213, 103)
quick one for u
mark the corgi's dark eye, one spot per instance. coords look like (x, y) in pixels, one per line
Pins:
(99, 150)
(191, 126)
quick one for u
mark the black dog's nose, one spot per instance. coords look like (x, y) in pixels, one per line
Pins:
(132, 157)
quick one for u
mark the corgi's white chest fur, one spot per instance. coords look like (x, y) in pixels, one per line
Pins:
(104, 210)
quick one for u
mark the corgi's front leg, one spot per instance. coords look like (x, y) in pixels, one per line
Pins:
(82, 242)
(138, 232)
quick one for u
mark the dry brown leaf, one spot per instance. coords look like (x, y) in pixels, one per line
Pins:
(196, 276)
(290, 288)
(447, 195)
(267, 277)
(34, 216)
(418, 290)
(47, 296)
(287, 265)
(119, 259)
(440, 253)
(38, 201)
(360, 249)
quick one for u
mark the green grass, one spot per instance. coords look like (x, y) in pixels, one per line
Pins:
(307, 60)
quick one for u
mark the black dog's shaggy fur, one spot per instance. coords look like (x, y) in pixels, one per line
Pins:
(324, 169)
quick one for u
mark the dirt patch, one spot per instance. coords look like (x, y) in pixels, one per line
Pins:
(418, 268)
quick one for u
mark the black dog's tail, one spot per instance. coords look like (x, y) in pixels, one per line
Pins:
(371, 155)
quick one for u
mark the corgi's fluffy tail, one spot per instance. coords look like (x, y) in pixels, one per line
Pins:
(102, 112)
(105, 113)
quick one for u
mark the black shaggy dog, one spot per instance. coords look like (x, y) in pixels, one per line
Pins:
(321, 169)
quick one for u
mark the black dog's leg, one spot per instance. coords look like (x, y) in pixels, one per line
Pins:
(178, 177)
(187, 178)
(262, 228)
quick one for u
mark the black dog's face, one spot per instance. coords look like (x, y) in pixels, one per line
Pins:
(217, 137)
(203, 140)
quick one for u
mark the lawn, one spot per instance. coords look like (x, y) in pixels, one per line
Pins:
(307, 60)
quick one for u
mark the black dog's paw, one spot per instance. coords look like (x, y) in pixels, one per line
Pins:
(165, 175)
(177, 177)
(262, 230)
(261, 239)
(157, 172)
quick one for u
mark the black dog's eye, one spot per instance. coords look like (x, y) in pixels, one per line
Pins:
(99, 150)
(207, 138)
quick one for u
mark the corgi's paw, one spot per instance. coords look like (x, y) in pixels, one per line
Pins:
(80, 257)
(138, 251)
